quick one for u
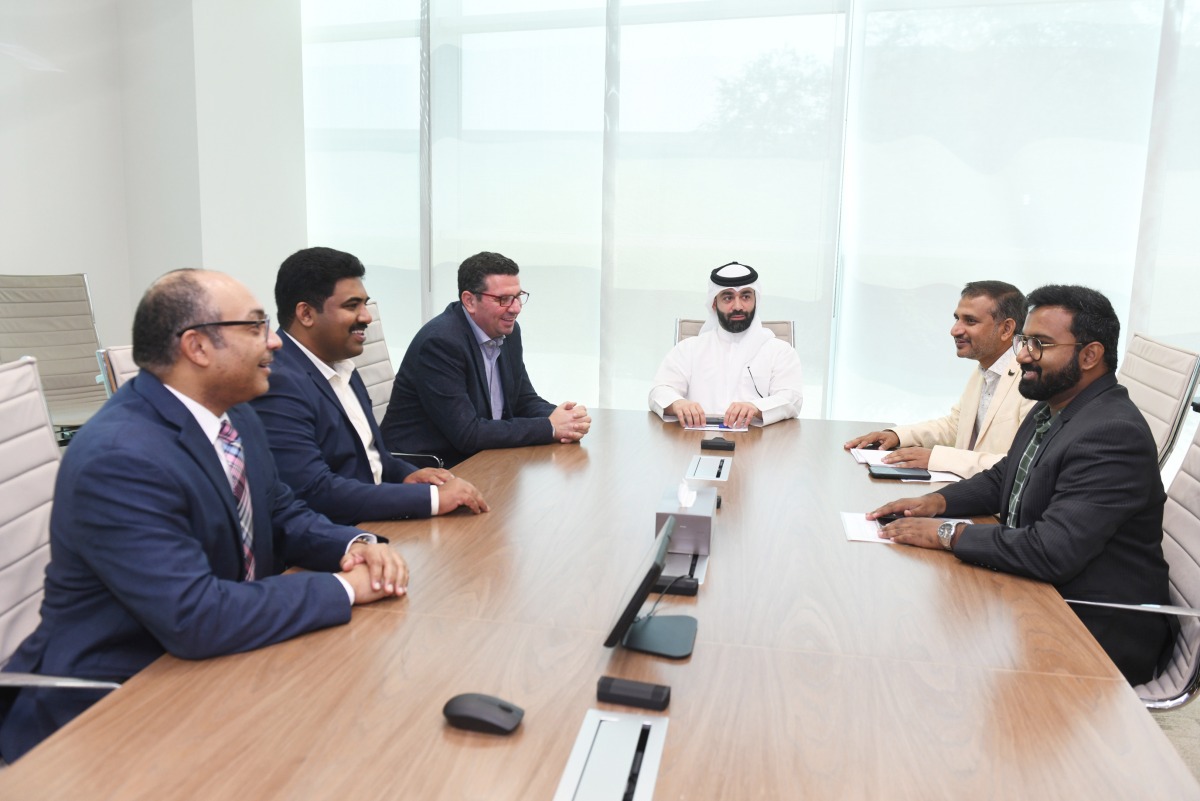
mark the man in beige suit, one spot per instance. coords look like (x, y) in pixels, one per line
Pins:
(980, 427)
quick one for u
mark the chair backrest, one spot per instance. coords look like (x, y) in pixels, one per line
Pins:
(50, 318)
(1161, 380)
(116, 366)
(783, 329)
(375, 365)
(28, 468)
(1181, 547)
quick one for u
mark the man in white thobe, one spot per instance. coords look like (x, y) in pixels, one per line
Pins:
(735, 368)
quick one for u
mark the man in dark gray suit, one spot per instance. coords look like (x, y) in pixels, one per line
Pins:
(1079, 496)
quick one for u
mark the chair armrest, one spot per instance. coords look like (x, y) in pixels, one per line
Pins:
(1160, 609)
(35, 680)
(420, 459)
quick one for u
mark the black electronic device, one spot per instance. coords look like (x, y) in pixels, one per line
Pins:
(641, 694)
(482, 713)
(897, 473)
(672, 636)
(716, 444)
(676, 585)
(883, 521)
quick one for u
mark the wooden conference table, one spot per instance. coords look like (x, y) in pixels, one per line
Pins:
(823, 668)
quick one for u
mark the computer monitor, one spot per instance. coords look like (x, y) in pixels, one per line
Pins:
(671, 636)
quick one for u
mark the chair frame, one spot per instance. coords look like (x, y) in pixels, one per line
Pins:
(783, 329)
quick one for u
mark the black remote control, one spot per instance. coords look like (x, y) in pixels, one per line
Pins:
(641, 694)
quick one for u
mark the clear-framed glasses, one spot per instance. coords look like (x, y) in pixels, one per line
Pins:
(261, 325)
(1036, 347)
(507, 300)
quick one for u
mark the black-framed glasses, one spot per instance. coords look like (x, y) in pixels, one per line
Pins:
(507, 300)
(1036, 347)
(262, 324)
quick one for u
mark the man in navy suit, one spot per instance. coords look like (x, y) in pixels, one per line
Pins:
(318, 415)
(1078, 496)
(170, 525)
(462, 386)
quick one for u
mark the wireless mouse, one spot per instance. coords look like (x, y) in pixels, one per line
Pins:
(483, 713)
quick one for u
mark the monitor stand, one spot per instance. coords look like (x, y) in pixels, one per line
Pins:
(671, 636)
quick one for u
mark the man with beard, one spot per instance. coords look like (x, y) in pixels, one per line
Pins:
(170, 525)
(463, 387)
(1078, 497)
(317, 412)
(734, 368)
(980, 427)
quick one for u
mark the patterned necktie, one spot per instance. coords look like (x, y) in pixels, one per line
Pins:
(1043, 419)
(232, 446)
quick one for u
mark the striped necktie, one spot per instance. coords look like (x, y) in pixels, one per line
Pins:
(1043, 419)
(231, 445)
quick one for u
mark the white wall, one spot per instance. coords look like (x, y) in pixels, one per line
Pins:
(250, 125)
(140, 136)
(62, 185)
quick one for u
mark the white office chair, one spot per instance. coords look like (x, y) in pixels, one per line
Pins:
(116, 366)
(1181, 546)
(28, 468)
(783, 329)
(49, 317)
(374, 366)
(1161, 380)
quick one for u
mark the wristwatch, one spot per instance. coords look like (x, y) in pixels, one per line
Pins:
(946, 534)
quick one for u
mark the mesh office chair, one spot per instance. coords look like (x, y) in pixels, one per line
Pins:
(1161, 380)
(783, 329)
(374, 366)
(116, 366)
(49, 317)
(28, 467)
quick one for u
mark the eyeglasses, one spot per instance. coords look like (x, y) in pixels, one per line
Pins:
(507, 300)
(263, 325)
(1035, 346)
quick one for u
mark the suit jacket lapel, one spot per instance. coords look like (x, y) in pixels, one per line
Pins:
(300, 359)
(191, 437)
(476, 356)
(1007, 383)
(968, 411)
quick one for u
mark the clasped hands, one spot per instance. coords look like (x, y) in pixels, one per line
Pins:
(737, 415)
(375, 571)
(571, 421)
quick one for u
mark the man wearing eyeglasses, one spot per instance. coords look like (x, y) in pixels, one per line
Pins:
(170, 525)
(462, 386)
(980, 427)
(1078, 497)
(318, 415)
(735, 369)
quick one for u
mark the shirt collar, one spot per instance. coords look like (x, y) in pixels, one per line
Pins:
(209, 423)
(344, 368)
(1001, 365)
(480, 336)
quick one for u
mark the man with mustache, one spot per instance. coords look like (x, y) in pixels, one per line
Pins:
(463, 387)
(170, 525)
(980, 427)
(735, 367)
(318, 414)
(1079, 497)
